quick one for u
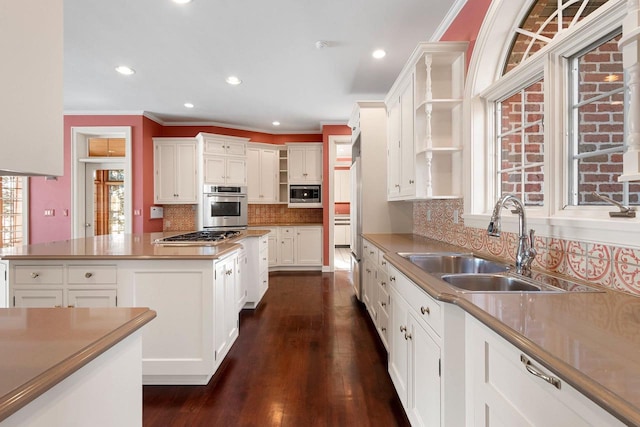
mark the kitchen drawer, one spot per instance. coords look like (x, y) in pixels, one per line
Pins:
(428, 309)
(382, 326)
(263, 262)
(382, 263)
(287, 231)
(383, 298)
(90, 274)
(37, 274)
(371, 252)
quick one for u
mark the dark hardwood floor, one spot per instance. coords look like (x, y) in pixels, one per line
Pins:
(308, 356)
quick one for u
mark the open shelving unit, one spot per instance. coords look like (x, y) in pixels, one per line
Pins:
(283, 173)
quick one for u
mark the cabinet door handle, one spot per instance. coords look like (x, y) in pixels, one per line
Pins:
(384, 304)
(88, 275)
(392, 278)
(533, 370)
(383, 329)
(35, 275)
(403, 328)
(407, 336)
(383, 283)
(425, 310)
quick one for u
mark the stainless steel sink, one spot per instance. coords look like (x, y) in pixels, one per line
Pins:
(495, 283)
(452, 262)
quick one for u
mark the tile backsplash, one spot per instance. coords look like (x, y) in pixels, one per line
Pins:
(183, 217)
(611, 266)
(281, 214)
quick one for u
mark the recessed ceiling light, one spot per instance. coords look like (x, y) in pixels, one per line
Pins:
(188, 105)
(123, 69)
(276, 123)
(182, 1)
(379, 53)
(321, 44)
(233, 80)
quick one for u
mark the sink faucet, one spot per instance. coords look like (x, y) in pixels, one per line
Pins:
(526, 252)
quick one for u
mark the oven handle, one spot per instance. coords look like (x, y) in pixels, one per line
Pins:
(233, 195)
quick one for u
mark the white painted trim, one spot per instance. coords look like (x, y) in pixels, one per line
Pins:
(333, 140)
(158, 120)
(448, 19)
(25, 210)
(78, 135)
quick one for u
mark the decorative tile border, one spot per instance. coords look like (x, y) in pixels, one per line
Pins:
(610, 266)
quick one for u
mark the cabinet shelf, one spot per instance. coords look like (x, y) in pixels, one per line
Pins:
(425, 124)
(438, 104)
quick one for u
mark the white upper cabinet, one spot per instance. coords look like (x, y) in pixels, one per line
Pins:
(424, 112)
(31, 42)
(342, 185)
(305, 163)
(175, 171)
(262, 174)
(224, 159)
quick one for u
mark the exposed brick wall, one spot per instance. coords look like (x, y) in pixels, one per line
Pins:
(601, 123)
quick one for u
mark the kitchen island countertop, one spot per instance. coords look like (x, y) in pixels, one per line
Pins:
(590, 339)
(124, 246)
(40, 347)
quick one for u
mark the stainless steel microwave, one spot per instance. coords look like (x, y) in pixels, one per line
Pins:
(305, 196)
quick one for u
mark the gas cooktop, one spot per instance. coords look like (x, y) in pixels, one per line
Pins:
(200, 238)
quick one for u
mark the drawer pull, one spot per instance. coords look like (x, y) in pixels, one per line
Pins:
(403, 328)
(383, 329)
(407, 336)
(384, 304)
(384, 263)
(425, 310)
(88, 275)
(383, 283)
(538, 373)
(35, 275)
(392, 278)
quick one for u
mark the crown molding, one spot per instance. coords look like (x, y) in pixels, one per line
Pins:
(448, 19)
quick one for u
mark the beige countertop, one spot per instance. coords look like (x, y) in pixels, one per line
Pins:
(124, 246)
(589, 339)
(39, 347)
(287, 224)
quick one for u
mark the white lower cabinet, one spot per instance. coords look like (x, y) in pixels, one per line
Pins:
(91, 298)
(426, 352)
(225, 307)
(506, 387)
(56, 284)
(295, 248)
(41, 298)
(414, 364)
(256, 274)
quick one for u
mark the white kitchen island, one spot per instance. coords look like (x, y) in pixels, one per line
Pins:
(197, 292)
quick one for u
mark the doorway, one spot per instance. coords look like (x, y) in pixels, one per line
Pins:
(104, 198)
(101, 181)
(339, 186)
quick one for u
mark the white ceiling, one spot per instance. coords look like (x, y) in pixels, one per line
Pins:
(184, 53)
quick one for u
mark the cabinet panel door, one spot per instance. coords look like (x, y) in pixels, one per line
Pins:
(407, 152)
(398, 349)
(187, 173)
(214, 170)
(92, 298)
(37, 298)
(286, 247)
(236, 170)
(313, 164)
(273, 250)
(236, 148)
(221, 338)
(424, 405)
(165, 172)
(253, 174)
(269, 175)
(309, 246)
(393, 150)
(296, 164)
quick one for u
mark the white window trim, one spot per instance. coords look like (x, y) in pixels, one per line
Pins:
(590, 224)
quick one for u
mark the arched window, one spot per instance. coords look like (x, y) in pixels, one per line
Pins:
(548, 122)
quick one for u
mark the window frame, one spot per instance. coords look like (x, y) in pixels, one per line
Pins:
(554, 218)
(25, 210)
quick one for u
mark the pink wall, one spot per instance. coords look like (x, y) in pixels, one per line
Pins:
(466, 25)
(56, 194)
(326, 131)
